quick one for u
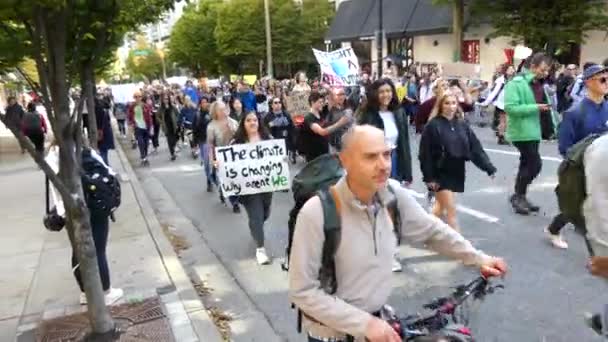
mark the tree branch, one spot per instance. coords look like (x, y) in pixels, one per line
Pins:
(39, 159)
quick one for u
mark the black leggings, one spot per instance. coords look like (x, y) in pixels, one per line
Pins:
(38, 140)
(171, 142)
(530, 165)
(100, 227)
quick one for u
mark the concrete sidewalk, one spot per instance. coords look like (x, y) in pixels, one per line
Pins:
(36, 281)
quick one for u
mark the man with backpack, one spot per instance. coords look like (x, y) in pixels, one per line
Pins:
(33, 126)
(344, 242)
(586, 118)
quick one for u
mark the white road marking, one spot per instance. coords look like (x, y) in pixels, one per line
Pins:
(475, 213)
(511, 153)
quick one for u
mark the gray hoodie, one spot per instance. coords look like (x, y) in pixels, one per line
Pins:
(363, 259)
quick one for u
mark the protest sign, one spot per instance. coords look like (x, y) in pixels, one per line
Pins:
(339, 67)
(123, 93)
(297, 103)
(247, 169)
(460, 70)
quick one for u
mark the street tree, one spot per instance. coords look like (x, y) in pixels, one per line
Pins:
(192, 43)
(541, 26)
(240, 33)
(60, 36)
(144, 63)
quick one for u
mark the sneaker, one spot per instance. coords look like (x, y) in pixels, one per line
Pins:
(173, 157)
(113, 295)
(261, 256)
(533, 208)
(397, 265)
(83, 298)
(556, 240)
(236, 209)
(519, 205)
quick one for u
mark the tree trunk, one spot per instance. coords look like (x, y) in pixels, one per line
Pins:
(50, 31)
(87, 80)
(458, 27)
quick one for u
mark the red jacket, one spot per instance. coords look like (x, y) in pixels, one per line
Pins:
(147, 115)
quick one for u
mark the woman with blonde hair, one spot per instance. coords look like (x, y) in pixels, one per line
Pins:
(220, 132)
(447, 143)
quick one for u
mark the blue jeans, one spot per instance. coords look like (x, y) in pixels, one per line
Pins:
(394, 164)
(206, 159)
(143, 139)
(104, 155)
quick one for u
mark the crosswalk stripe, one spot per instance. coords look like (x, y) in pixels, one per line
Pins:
(469, 211)
(511, 153)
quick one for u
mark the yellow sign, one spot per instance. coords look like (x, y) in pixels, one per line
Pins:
(250, 79)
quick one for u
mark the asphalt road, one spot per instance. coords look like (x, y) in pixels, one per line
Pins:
(546, 292)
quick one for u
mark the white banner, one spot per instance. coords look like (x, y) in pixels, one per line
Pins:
(246, 169)
(339, 67)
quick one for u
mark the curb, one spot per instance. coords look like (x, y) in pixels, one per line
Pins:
(189, 318)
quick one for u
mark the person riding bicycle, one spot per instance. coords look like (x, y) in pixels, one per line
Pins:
(362, 261)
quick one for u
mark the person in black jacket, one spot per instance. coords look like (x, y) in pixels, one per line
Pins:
(447, 143)
(280, 125)
(383, 111)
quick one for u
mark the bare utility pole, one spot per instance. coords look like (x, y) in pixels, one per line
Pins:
(268, 39)
(379, 38)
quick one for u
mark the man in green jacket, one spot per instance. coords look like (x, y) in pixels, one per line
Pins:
(525, 101)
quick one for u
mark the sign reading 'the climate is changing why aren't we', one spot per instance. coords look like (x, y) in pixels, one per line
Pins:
(247, 169)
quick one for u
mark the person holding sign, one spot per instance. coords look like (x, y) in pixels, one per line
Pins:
(219, 133)
(257, 206)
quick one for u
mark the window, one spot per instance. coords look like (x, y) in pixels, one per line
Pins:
(470, 51)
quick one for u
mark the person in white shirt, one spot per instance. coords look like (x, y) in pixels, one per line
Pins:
(497, 99)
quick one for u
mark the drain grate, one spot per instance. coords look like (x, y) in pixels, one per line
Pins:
(136, 322)
(141, 312)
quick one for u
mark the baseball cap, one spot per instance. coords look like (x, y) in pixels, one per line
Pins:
(594, 70)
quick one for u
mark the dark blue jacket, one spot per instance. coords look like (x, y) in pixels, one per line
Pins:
(582, 119)
(248, 100)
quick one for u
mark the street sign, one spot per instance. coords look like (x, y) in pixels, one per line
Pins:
(140, 52)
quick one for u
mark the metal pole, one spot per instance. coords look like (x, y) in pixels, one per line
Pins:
(268, 39)
(379, 39)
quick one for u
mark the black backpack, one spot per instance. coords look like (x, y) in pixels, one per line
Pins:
(101, 189)
(318, 178)
(32, 123)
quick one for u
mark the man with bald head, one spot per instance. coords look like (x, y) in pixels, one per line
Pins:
(367, 245)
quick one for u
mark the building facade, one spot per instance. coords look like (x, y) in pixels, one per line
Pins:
(416, 31)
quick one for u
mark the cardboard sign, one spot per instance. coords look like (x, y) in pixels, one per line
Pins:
(297, 103)
(339, 67)
(247, 169)
(461, 70)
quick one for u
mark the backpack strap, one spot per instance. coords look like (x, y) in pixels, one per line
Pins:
(331, 205)
(394, 214)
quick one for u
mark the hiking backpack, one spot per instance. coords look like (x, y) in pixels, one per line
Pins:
(32, 123)
(571, 189)
(101, 189)
(318, 178)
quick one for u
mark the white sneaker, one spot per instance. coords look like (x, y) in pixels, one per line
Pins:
(556, 240)
(83, 298)
(261, 256)
(113, 295)
(397, 265)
